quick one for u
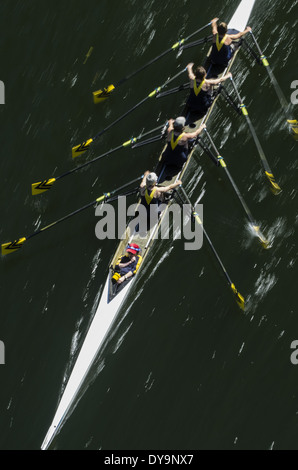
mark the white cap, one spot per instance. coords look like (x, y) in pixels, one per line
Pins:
(179, 122)
(151, 179)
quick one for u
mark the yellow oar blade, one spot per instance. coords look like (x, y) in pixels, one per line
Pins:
(11, 247)
(82, 148)
(265, 243)
(101, 95)
(42, 186)
(294, 127)
(274, 186)
(239, 298)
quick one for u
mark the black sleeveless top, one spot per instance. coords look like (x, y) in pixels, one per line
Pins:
(199, 103)
(175, 154)
(220, 56)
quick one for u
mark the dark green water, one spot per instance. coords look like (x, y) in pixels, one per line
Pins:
(185, 369)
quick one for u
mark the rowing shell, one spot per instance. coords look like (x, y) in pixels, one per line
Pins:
(110, 303)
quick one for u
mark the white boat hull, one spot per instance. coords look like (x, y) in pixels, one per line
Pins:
(106, 313)
(239, 21)
(102, 322)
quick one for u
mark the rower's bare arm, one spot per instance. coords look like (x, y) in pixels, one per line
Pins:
(171, 125)
(216, 81)
(193, 135)
(143, 183)
(239, 35)
(191, 75)
(214, 25)
(165, 189)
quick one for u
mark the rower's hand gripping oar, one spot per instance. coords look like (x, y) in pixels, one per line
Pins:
(45, 185)
(82, 148)
(268, 172)
(101, 95)
(249, 215)
(239, 298)
(283, 102)
(11, 247)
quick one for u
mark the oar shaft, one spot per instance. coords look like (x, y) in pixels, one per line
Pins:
(249, 215)
(197, 43)
(198, 220)
(160, 56)
(283, 102)
(80, 149)
(148, 141)
(256, 43)
(120, 118)
(127, 185)
(84, 165)
(17, 244)
(197, 32)
(104, 197)
(129, 143)
(258, 145)
(252, 52)
(268, 172)
(108, 197)
(236, 90)
(63, 219)
(235, 187)
(183, 87)
(128, 77)
(151, 95)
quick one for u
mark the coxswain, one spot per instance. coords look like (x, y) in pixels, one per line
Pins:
(128, 265)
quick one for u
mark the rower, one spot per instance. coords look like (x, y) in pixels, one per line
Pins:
(176, 152)
(152, 195)
(222, 48)
(200, 98)
(128, 265)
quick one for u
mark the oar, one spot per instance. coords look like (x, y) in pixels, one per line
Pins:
(252, 221)
(197, 43)
(182, 87)
(283, 102)
(268, 172)
(45, 185)
(239, 298)
(102, 95)
(80, 149)
(11, 247)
